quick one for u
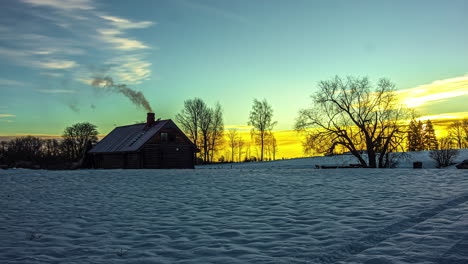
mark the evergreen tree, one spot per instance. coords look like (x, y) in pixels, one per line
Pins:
(415, 136)
(430, 140)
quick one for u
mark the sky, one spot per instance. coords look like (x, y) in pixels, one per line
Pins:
(223, 51)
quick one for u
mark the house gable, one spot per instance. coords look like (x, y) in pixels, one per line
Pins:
(155, 144)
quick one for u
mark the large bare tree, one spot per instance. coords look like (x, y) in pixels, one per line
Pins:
(216, 133)
(261, 118)
(353, 114)
(203, 125)
(190, 118)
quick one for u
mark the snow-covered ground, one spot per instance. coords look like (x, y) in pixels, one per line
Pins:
(405, 160)
(259, 214)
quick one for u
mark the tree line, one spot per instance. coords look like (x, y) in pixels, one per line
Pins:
(36, 153)
(204, 125)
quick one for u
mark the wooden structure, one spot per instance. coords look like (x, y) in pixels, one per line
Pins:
(152, 145)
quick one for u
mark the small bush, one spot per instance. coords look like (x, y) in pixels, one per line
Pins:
(443, 157)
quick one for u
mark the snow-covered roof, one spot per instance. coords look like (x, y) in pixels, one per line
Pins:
(128, 138)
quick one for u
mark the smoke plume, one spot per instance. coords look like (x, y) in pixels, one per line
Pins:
(136, 97)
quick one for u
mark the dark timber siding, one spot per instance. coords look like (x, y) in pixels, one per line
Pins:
(174, 152)
(112, 161)
(170, 151)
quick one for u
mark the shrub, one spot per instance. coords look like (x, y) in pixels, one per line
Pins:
(444, 156)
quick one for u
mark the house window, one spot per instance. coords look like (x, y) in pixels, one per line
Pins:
(164, 137)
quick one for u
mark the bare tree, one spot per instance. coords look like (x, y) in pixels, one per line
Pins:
(271, 146)
(206, 121)
(349, 113)
(274, 145)
(248, 151)
(24, 149)
(240, 147)
(78, 139)
(261, 119)
(445, 155)
(458, 133)
(190, 117)
(233, 138)
(217, 131)
(203, 125)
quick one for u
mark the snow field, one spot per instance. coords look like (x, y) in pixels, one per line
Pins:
(405, 160)
(239, 215)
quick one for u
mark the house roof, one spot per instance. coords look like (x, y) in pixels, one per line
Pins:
(128, 138)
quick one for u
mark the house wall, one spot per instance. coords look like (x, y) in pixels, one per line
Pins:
(117, 161)
(171, 151)
(110, 161)
(175, 152)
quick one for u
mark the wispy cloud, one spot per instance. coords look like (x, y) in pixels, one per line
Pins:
(63, 4)
(7, 115)
(36, 59)
(6, 118)
(89, 36)
(112, 37)
(58, 64)
(451, 117)
(131, 68)
(123, 23)
(6, 82)
(52, 74)
(436, 91)
(56, 91)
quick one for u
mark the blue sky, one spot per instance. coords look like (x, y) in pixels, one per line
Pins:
(221, 51)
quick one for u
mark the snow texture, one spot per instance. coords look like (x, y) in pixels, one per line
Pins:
(405, 160)
(257, 214)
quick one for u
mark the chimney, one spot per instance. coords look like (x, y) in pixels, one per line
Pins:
(150, 120)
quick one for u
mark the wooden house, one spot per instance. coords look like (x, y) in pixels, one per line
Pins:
(152, 145)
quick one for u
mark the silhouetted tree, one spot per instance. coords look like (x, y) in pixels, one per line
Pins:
(421, 136)
(203, 125)
(415, 136)
(271, 146)
(274, 146)
(458, 133)
(430, 140)
(216, 134)
(76, 139)
(240, 147)
(190, 117)
(445, 155)
(24, 150)
(206, 121)
(261, 119)
(233, 139)
(351, 113)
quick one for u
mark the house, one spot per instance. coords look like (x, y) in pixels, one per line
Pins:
(152, 145)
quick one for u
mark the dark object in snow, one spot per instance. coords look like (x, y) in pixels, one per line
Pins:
(417, 165)
(332, 166)
(463, 165)
(156, 144)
